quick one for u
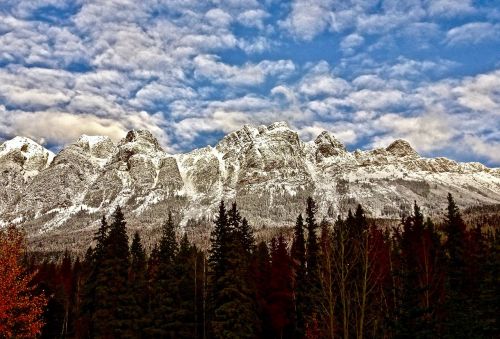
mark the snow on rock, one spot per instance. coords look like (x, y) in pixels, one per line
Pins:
(31, 156)
(268, 170)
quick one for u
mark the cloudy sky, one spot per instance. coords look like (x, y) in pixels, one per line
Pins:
(191, 71)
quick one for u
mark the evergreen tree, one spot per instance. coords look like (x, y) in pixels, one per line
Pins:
(138, 288)
(234, 309)
(112, 302)
(262, 277)
(93, 265)
(459, 320)
(312, 261)
(298, 254)
(280, 298)
(185, 274)
(165, 288)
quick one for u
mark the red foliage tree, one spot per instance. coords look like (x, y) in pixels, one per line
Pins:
(20, 310)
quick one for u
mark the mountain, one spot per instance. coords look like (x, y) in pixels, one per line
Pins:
(268, 170)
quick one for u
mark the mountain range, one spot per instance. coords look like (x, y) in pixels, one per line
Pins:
(268, 170)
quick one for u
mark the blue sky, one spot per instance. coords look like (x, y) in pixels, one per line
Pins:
(191, 71)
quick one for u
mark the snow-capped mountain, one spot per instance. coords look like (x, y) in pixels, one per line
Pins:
(268, 170)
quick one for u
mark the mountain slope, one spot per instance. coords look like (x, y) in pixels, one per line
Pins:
(268, 170)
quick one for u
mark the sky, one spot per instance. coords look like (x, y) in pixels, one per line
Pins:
(192, 71)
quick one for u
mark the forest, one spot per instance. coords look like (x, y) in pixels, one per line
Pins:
(351, 278)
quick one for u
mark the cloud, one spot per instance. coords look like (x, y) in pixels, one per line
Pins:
(480, 93)
(308, 18)
(428, 132)
(208, 66)
(450, 8)
(57, 127)
(186, 69)
(487, 149)
(473, 33)
(253, 18)
(351, 42)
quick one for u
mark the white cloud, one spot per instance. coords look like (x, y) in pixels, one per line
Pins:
(473, 33)
(253, 18)
(428, 132)
(351, 42)
(308, 18)
(208, 66)
(450, 8)
(485, 148)
(323, 85)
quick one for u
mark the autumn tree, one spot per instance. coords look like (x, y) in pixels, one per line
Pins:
(20, 309)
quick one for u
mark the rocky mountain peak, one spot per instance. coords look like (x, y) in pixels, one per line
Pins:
(278, 125)
(98, 146)
(30, 155)
(139, 142)
(401, 148)
(141, 136)
(327, 146)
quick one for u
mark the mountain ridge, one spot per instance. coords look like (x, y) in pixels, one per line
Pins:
(261, 167)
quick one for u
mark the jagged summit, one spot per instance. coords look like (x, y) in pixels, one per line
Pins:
(98, 146)
(328, 145)
(268, 170)
(30, 155)
(401, 148)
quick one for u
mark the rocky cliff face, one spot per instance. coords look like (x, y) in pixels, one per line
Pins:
(268, 170)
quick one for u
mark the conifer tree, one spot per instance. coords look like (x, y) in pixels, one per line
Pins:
(262, 276)
(459, 320)
(165, 288)
(312, 261)
(111, 318)
(185, 274)
(298, 254)
(281, 307)
(137, 288)
(92, 269)
(234, 309)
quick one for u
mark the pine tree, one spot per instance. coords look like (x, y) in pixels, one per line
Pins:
(458, 322)
(312, 261)
(137, 288)
(234, 309)
(185, 274)
(298, 254)
(110, 318)
(281, 307)
(165, 288)
(262, 276)
(93, 265)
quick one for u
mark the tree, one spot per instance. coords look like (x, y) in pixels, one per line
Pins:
(137, 288)
(298, 254)
(459, 319)
(312, 262)
(165, 288)
(112, 302)
(20, 309)
(280, 298)
(234, 308)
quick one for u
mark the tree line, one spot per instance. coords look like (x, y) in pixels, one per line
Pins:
(346, 279)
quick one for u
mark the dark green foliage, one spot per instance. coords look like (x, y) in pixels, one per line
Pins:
(234, 310)
(460, 320)
(112, 302)
(298, 255)
(165, 287)
(356, 280)
(312, 263)
(139, 317)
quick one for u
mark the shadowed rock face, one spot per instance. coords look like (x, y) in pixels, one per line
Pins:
(268, 170)
(401, 148)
